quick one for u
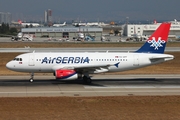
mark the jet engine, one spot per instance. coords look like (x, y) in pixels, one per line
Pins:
(66, 74)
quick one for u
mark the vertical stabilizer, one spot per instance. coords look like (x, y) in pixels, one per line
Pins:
(157, 42)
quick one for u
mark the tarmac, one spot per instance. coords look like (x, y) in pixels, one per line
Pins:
(102, 85)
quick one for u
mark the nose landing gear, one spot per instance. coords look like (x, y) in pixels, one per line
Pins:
(32, 77)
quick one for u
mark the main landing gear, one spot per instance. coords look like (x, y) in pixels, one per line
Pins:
(32, 77)
(87, 79)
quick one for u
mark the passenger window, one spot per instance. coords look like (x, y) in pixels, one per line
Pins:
(20, 59)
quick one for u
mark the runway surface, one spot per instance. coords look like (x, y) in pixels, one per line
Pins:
(102, 85)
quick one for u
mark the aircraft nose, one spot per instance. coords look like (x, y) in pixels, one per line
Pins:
(9, 65)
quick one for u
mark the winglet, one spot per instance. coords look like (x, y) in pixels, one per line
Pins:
(157, 42)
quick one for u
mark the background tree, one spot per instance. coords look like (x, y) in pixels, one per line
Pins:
(116, 32)
(13, 31)
(27, 26)
(6, 30)
(31, 26)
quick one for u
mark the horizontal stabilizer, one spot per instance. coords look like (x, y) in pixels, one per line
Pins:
(163, 57)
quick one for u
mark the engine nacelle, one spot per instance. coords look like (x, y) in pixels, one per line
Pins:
(66, 74)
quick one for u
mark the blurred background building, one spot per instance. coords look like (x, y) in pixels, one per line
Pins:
(5, 17)
(48, 17)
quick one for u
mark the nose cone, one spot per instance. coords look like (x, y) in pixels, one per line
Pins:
(9, 65)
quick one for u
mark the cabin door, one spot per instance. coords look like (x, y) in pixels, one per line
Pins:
(31, 60)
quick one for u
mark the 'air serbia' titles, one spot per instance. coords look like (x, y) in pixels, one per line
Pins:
(64, 60)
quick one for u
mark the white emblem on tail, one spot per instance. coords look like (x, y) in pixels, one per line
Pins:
(156, 44)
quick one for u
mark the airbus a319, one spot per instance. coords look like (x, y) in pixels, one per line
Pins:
(73, 65)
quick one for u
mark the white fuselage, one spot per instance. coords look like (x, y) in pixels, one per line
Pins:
(94, 62)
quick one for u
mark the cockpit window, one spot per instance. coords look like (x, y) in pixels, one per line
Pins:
(17, 59)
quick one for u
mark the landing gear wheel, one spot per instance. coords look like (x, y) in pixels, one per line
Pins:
(87, 80)
(32, 76)
(31, 80)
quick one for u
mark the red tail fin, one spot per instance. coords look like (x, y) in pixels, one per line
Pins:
(19, 21)
(161, 32)
(157, 42)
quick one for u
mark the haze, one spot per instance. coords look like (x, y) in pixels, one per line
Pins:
(92, 10)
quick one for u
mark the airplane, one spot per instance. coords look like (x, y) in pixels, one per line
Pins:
(100, 24)
(79, 24)
(75, 65)
(24, 24)
(59, 25)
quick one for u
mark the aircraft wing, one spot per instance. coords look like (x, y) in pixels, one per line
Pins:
(93, 69)
(88, 68)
